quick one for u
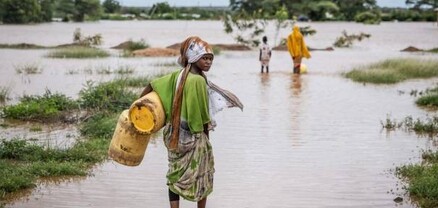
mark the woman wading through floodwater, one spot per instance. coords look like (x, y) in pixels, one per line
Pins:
(190, 102)
(297, 48)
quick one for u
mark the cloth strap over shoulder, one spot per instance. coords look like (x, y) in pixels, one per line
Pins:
(176, 110)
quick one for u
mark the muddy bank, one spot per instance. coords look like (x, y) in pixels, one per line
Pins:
(412, 49)
(156, 52)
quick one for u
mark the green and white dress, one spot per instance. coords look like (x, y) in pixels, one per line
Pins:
(191, 168)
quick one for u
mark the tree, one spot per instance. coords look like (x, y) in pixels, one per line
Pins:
(318, 10)
(423, 3)
(65, 9)
(2, 10)
(91, 8)
(47, 8)
(160, 8)
(21, 12)
(250, 17)
(247, 27)
(281, 17)
(111, 6)
(350, 8)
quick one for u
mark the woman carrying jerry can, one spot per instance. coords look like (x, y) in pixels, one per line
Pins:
(190, 102)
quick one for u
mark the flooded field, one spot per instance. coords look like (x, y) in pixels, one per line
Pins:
(314, 140)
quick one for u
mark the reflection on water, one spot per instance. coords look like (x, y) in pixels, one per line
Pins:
(310, 140)
(296, 84)
(264, 79)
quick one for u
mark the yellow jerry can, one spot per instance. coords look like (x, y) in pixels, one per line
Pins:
(127, 146)
(303, 68)
(147, 114)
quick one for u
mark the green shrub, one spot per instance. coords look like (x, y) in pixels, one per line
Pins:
(137, 82)
(368, 17)
(423, 183)
(394, 70)
(136, 45)
(78, 52)
(22, 163)
(40, 108)
(99, 126)
(108, 96)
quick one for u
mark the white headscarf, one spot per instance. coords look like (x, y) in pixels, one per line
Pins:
(195, 51)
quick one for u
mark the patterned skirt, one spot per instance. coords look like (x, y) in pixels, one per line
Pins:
(190, 173)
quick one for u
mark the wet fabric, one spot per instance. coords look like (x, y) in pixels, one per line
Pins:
(219, 99)
(185, 98)
(296, 45)
(194, 107)
(191, 166)
(265, 56)
(191, 170)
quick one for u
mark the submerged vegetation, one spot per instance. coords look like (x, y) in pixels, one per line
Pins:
(130, 46)
(22, 161)
(4, 94)
(428, 127)
(433, 50)
(394, 70)
(347, 40)
(429, 98)
(422, 178)
(78, 52)
(28, 69)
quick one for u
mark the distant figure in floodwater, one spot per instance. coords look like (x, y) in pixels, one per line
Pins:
(191, 102)
(265, 54)
(297, 48)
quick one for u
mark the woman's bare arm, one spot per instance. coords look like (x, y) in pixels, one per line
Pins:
(147, 90)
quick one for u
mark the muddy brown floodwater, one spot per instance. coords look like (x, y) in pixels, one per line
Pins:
(313, 140)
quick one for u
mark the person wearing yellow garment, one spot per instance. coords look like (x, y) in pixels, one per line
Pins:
(297, 48)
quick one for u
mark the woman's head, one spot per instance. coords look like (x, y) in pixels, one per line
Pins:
(295, 28)
(192, 49)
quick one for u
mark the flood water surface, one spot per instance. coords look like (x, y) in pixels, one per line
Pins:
(313, 140)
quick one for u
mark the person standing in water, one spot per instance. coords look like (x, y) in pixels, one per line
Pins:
(190, 102)
(297, 48)
(265, 54)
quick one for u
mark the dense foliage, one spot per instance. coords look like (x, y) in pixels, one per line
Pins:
(34, 11)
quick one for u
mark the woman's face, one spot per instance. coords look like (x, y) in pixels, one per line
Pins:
(205, 62)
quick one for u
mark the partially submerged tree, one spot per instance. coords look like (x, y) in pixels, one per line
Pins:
(281, 17)
(247, 27)
(86, 40)
(249, 19)
(347, 40)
